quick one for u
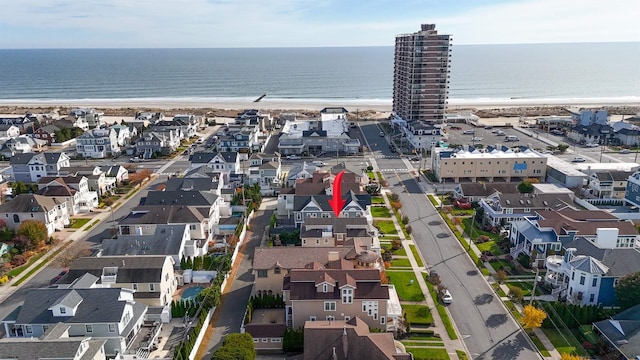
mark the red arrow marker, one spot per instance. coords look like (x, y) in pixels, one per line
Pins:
(336, 202)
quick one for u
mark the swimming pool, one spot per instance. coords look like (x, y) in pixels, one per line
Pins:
(191, 292)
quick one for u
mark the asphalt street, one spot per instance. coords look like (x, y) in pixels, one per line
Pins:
(485, 325)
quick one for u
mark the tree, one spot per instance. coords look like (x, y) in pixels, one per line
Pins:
(533, 317)
(500, 276)
(525, 187)
(628, 291)
(35, 231)
(516, 293)
(236, 347)
(563, 147)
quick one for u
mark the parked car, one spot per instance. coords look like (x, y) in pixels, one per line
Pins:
(488, 127)
(625, 151)
(455, 127)
(58, 277)
(591, 145)
(446, 297)
(500, 133)
(415, 158)
(293, 157)
(476, 138)
(511, 138)
(135, 159)
(381, 133)
(469, 132)
(319, 163)
(578, 159)
(462, 204)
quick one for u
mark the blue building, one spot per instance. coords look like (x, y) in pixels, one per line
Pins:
(632, 194)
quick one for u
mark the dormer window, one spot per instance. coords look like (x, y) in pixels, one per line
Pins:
(276, 270)
(63, 310)
(325, 288)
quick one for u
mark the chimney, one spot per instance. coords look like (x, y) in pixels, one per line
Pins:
(333, 256)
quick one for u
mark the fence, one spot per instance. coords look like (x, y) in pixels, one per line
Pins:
(203, 330)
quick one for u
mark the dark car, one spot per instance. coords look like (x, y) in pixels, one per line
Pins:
(59, 276)
(455, 127)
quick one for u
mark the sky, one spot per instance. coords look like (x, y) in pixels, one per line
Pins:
(299, 23)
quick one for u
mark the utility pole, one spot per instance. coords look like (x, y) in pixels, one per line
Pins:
(473, 221)
(535, 282)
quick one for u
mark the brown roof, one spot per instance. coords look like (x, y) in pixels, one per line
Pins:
(302, 283)
(266, 330)
(294, 257)
(350, 339)
(586, 223)
(484, 189)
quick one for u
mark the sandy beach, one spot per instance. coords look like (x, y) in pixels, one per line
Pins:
(367, 108)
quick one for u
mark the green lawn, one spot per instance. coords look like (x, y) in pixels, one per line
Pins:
(561, 344)
(380, 212)
(462, 355)
(371, 175)
(406, 285)
(501, 264)
(78, 223)
(444, 316)
(417, 336)
(421, 343)
(497, 287)
(416, 255)
(418, 315)
(466, 225)
(490, 246)
(428, 354)
(385, 226)
(376, 200)
(539, 345)
(17, 271)
(525, 286)
(400, 252)
(400, 262)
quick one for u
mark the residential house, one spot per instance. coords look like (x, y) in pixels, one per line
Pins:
(123, 134)
(72, 122)
(241, 139)
(71, 348)
(632, 193)
(595, 133)
(73, 190)
(473, 192)
(501, 209)
(98, 144)
(116, 174)
(9, 131)
(150, 278)
(254, 117)
(303, 170)
(142, 218)
(608, 184)
(96, 177)
(220, 161)
(152, 142)
(421, 135)
(91, 116)
(54, 215)
(319, 293)
(149, 117)
(185, 125)
(46, 133)
(24, 123)
(548, 231)
(621, 332)
(266, 171)
(342, 339)
(165, 240)
(110, 314)
(320, 232)
(318, 207)
(30, 167)
(586, 117)
(628, 136)
(20, 145)
(213, 184)
(590, 269)
(317, 136)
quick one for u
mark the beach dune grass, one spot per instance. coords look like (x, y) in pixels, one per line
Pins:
(406, 285)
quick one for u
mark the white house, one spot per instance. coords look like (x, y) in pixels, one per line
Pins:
(30, 167)
(54, 215)
(98, 144)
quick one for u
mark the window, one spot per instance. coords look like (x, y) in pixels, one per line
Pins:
(152, 287)
(135, 287)
(28, 329)
(329, 306)
(277, 270)
(264, 340)
(192, 227)
(594, 282)
(16, 218)
(582, 279)
(592, 297)
(325, 288)
(63, 310)
(383, 320)
(262, 273)
(89, 328)
(347, 318)
(331, 318)
(276, 340)
(347, 296)
(312, 318)
(112, 328)
(573, 275)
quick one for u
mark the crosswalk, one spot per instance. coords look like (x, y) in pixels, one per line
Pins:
(379, 156)
(405, 170)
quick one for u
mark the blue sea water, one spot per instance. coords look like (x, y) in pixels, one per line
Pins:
(479, 73)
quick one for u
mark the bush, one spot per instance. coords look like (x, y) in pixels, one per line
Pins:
(483, 239)
(293, 340)
(396, 244)
(18, 260)
(394, 197)
(408, 229)
(405, 219)
(516, 293)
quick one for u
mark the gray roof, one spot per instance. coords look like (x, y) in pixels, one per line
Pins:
(620, 261)
(533, 233)
(28, 203)
(33, 349)
(300, 201)
(99, 305)
(588, 265)
(179, 197)
(295, 257)
(623, 331)
(535, 201)
(339, 225)
(70, 299)
(197, 184)
(167, 240)
(484, 189)
(110, 170)
(131, 269)
(163, 214)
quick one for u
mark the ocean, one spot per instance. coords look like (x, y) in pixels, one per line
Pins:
(479, 73)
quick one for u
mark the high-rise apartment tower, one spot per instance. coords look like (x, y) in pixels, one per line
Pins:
(421, 75)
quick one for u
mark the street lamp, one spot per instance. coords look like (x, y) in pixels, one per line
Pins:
(473, 221)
